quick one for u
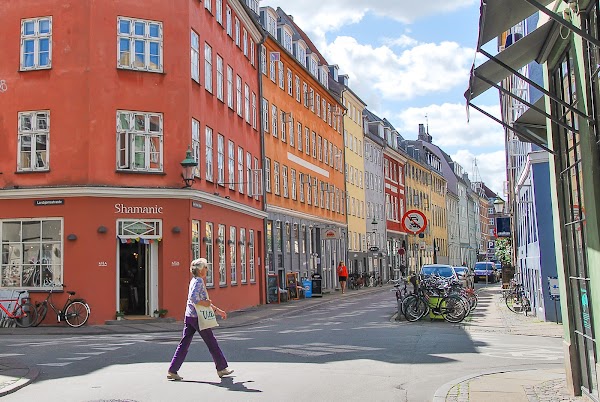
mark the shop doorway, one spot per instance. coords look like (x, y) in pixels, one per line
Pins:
(134, 266)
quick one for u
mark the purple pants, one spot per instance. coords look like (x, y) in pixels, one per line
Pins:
(189, 329)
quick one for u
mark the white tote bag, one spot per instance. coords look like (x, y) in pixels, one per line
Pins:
(206, 317)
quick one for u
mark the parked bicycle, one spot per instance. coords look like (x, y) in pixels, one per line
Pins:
(23, 314)
(517, 301)
(75, 312)
(434, 295)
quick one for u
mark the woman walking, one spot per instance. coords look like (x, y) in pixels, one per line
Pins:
(198, 295)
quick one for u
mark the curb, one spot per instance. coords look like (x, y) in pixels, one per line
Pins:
(28, 378)
(442, 392)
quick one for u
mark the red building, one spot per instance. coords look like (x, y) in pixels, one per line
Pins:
(102, 100)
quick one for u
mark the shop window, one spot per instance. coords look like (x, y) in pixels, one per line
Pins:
(243, 266)
(31, 253)
(208, 247)
(233, 254)
(222, 263)
(251, 256)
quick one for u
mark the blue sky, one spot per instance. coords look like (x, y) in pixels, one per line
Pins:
(409, 59)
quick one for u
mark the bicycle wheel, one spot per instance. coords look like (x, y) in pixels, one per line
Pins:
(25, 315)
(453, 309)
(414, 308)
(77, 314)
(514, 302)
(42, 310)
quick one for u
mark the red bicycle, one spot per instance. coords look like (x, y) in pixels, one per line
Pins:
(23, 314)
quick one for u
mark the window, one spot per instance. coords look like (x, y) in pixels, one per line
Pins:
(196, 145)
(31, 253)
(195, 239)
(208, 246)
(139, 141)
(276, 178)
(251, 255)
(231, 165)
(252, 56)
(228, 20)
(219, 11)
(291, 122)
(245, 42)
(219, 78)
(325, 151)
(284, 174)
(221, 160)
(239, 95)
(208, 5)
(301, 186)
(314, 144)
(265, 115)
(36, 43)
(208, 68)
(243, 273)
(237, 32)
(247, 102)
(272, 69)
(274, 120)
(140, 44)
(307, 140)
(258, 181)
(294, 190)
(34, 138)
(232, 254)
(281, 76)
(209, 154)
(319, 148)
(297, 82)
(283, 123)
(249, 172)
(267, 175)
(195, 53)
(319, 105)
(229, 87)
(222, 264)
(254, 110)
(299, 133)
(290, 86)
(240, 169)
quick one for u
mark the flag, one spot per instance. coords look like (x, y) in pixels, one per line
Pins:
(275, 56)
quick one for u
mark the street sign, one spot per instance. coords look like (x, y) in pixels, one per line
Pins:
(414, 221)
(374, 248)
(401, 251)
(553, 287)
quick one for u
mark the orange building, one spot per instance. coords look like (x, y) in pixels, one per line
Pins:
(102, 101)
(304, 178)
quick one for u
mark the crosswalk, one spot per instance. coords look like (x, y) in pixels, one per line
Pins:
(314, 349)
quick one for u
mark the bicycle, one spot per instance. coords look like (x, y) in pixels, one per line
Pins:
(23, 314)
(517, 300)
(451, 307)
(75, 312)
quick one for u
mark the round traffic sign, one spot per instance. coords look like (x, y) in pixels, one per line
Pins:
(414, 221)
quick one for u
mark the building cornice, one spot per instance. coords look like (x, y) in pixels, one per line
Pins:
(129, 192)
(302, 215)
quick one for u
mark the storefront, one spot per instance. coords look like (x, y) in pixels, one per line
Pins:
(130, 254)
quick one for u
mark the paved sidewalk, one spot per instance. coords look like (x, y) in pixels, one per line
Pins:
(14, 375)
(527, 384)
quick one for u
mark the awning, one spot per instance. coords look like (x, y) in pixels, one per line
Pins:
(521, 53)
(533, 124)
(498, 16)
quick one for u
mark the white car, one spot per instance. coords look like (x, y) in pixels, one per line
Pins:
(465, 274)
(443, 270)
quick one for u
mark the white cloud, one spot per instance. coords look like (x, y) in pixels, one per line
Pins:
(491, 167)
(421, 70)
(318, 17)
(402, 41)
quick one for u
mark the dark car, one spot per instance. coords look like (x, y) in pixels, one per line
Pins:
(485, 271)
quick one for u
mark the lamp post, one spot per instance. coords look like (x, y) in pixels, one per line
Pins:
(188, 165)
(498, 205)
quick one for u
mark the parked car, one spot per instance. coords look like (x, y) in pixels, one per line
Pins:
(443, 270)
(499, 270)
(485, 270)
(465, 275)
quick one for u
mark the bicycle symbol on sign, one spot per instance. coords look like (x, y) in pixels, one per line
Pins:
(3, 86)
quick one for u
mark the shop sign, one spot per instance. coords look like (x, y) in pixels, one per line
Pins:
(196, 204)
(126, 209)
(39, 203)
(331, 234)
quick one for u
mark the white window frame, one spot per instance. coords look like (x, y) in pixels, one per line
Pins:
(265, 115)
(219, 11)
(208, 5)
(238, 98)
(254, 111)
(229, 27)
(245, 41)
(243, 256)
(240, 169)
(233, 254)
(237, 32)
(284, 178)
(35, 125)
(247, 103)
(229, 87)
(36, 38)
(195, 56)
(196, 145)
(276, 178)
(208, 136)
(251, 255)
(219, 78)
(127, 135)
(222, 261)
(146, 39)
(267, 175)
(220, 159)
(208, 71)
(231, 164)
(209, 252)
(294, 186)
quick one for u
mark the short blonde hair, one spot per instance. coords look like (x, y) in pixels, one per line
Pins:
(197, 265)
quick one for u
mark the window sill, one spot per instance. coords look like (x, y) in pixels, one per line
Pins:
(32, 171)
(223, 286)
(140, 172)
(140, 70)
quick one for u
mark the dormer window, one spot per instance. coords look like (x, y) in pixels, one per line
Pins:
(314, 66)
(272, 24)
(287, 39)
(301, 52)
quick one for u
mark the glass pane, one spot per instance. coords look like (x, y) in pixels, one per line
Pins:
(41, 142)
(32, 231)
(31, 275)
(139, 53)
(155, 152)
(31, 253)
(139, 152)
(44, 45)
(139, 28)
(124, 27)
(44, 26)
(11, 275)
(154, 124)
(154, 30)
(29, 28)
(140, 122)
(42, 121)
(25, 143)
(51, 231)
(124, 121)
(25, 122)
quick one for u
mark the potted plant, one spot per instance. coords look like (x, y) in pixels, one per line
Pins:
(162, 312)
(120, 315)
(156, 313)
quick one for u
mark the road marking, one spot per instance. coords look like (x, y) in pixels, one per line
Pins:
(90, 353)
(55, 364)
(297, 331)
(73, 358)
(11, 354)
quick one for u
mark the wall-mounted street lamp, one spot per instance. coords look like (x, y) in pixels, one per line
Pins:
(498, 205)
(188, 165)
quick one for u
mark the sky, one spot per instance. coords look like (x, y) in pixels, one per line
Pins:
(410, 62)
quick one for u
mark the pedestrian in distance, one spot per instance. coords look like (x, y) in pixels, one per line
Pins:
(342, 272)
(198, 295)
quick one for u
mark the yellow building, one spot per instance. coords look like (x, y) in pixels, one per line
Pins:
(354, 172)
